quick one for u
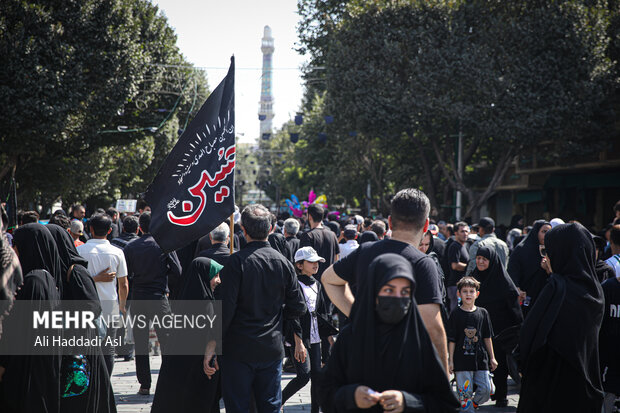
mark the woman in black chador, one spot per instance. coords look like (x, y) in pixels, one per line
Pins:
(524, 265)
(384, 360)
(79, 285)
(559, 338)
(500, 297)
(31, 384)
(182, 385)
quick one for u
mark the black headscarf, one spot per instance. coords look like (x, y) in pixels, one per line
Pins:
(569, 311)
(514, 222)
(368, 236)
(525, 259)
(66, 248)
(79, 285)
(37, 251)
(498, 293)
(197, 280)
(394, 356)
(431, 243)
(495, 284)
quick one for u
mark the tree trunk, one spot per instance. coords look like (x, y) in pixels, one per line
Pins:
(429, 186)
(456, 181)
(9, 167)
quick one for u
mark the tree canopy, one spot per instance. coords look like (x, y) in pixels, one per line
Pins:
(503, 75)
(92, 104)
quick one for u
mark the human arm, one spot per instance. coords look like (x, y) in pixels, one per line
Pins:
(105, 276)
(488, 343)
(337, 290)
(545, 265)
(123, 292)
(431, 316)
(300, 349)
(451, 346)
(336, 392)
(209, 354)
(458, 266)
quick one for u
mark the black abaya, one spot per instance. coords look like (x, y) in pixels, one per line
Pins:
(385, 356)
(31, 384)
(499, 296)
(524, 264)
(79, 285)
(559, 338)
(182, 385)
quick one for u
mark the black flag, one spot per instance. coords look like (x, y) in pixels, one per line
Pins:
(193, 191)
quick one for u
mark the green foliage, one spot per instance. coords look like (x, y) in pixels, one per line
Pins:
(506, 75)
(72, 73)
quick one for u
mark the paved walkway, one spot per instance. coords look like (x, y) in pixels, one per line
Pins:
(126, 387)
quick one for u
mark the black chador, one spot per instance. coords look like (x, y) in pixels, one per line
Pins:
(559, 338)
(385, 356)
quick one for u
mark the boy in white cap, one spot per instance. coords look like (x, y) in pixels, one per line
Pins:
(304, 332)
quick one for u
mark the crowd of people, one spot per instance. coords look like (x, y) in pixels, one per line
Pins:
(378, 314)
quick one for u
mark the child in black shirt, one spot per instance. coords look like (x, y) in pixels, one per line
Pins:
(470, 348)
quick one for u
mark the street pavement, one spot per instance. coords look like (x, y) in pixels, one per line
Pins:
(126, 387)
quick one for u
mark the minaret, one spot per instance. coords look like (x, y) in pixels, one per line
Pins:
(265, 112)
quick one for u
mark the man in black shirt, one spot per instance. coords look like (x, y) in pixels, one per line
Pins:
(219, 251)
(291, 228)
(130, 232)
(458, 256)
(259, 289)
(322, 239)
(275, 238)
(608, 342)
(408, 221)
(148, 269)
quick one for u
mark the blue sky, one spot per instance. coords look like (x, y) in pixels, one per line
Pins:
(210, 31)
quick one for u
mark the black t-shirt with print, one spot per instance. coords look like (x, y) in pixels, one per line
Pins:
(468, 329)
(456, 253)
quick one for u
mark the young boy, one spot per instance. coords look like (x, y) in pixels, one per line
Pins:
(470, 347)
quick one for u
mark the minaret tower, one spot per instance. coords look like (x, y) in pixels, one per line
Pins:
(265, 112)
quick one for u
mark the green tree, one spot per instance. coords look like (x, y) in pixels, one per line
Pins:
(505, 75)
(76, 73)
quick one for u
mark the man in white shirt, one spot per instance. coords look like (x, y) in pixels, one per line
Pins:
(350, 234)
(614, 244)
(103, 256)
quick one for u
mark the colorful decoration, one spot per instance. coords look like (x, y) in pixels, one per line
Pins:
(298, 208)
(299, 119)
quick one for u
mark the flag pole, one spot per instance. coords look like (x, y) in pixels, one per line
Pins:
(232, 232)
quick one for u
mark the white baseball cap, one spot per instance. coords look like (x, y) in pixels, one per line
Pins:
(556, 221)
(308, 254)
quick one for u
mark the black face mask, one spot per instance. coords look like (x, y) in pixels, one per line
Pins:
(392, 309)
